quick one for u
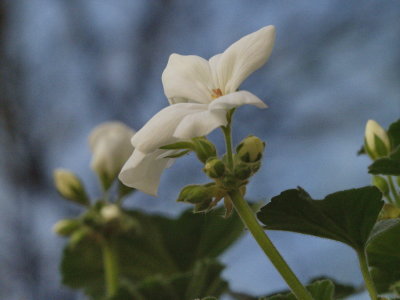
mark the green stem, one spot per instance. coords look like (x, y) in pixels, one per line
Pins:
(367, 276)
(110, 262)
(228, 141)
(393, 190)
(250, 221)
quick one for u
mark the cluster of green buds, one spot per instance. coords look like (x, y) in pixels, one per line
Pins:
(376, 142)
(100, 221)
(226, 177)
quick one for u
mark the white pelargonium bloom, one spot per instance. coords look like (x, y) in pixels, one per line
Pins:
(200, 92)
(111, 147)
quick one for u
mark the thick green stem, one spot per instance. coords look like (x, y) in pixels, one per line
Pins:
(250, 221)
(366, 274)
(110, 262)
(393, 190)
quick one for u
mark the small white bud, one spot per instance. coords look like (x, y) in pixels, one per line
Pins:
(111, 146)
(110, 212)
(377, 142)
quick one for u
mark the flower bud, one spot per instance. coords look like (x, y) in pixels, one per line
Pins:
(110, 212)
(389, 211)
(242, 171)
(250, 149)
(70, 187)
(111, 146)
(66, 227)
(214, 168)
(377, 142)
(381, 184)
(204, 148)
(196, 194)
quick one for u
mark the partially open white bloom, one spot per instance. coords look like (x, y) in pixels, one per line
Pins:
(377, 142)
(111, 147)
(200, 92)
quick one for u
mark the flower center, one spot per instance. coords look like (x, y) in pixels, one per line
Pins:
(216, 93)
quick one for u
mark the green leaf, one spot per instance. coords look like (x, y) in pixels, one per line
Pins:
(394, 133)
(204, 279)
(346, 216)
(320, 290)
(385, 166)
(340, 290)
(383, 254)
(164, 247)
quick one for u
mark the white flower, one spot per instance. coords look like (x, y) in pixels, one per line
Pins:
(200, 93)
(111, 147)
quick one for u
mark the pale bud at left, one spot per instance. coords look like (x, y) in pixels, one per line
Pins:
(66, 227)
(377, 142)
(111, 146)
(70, 186)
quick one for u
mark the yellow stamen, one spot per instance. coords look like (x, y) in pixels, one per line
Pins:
(216, 93)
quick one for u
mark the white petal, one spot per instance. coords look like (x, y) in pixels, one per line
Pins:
(187, 78)
(236, 99)
(143, 171)
(159, 130)
(243, 58)
(200, 123)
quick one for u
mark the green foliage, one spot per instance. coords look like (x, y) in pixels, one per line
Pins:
(320, 290)
(389, 165)
(394, 134)
(384, 255)
(346, 216)
(162, 248)
(204, 279)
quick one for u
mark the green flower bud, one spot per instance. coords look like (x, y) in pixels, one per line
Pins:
(70, 186)
(214, 168)
(242, 171)
(203, 206)
(196, 194)
(66, 227)
(381, 184)
(389, 211)
(377, 142)
(203, 148)
(250, 149)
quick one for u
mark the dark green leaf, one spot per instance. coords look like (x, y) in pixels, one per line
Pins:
(164, 247)
(384, 254)
(340, 290)
(394, 133)
(204, 279)
(346, 216)
(320, 290)
(385, 166)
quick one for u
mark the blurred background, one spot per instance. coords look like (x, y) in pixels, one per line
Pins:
(68, 65)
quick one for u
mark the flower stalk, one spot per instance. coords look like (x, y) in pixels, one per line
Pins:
(369, 284)
(110, 262)
(250, 221)
(393, 190)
